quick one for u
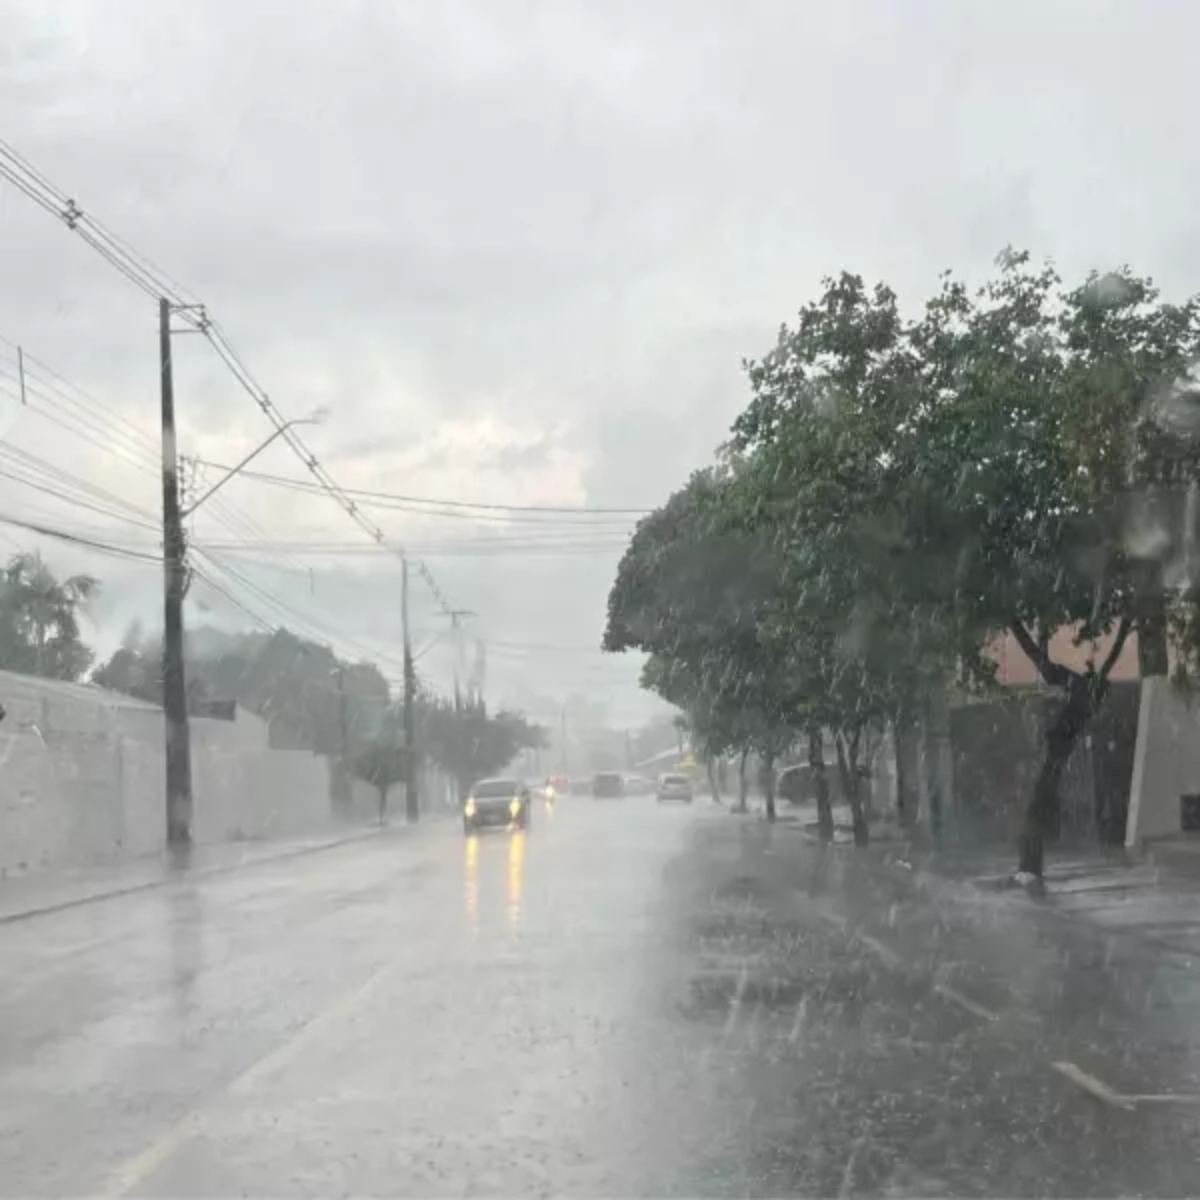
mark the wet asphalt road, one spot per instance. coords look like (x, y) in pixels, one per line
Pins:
(630, 1000)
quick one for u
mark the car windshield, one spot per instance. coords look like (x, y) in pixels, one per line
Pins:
(399, 394)
(494, 788)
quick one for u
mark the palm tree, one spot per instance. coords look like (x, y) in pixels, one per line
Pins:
(39, 619)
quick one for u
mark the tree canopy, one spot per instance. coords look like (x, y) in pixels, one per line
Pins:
(39, 619)
(468, 742)
(902, 489)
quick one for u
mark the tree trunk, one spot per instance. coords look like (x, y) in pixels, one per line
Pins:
(769, 784)
(382, 803)
(904, 734)
(741, 804)
(1042, 814)
(847, 750)
(816, 764)
(714, 786)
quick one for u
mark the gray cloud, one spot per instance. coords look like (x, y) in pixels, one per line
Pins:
(519, 249)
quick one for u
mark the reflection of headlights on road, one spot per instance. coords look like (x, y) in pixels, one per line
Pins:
(514, 807)
(470, 808)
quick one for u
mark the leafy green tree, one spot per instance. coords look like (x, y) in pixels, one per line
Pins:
(822, 483)
(382, 761)
(468, 743)
(1036, 459)
(975, 470)
(39, 619)
(309, 697)
(693, 590)
(132, 672)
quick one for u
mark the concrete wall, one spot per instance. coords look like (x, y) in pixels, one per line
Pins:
(1166, 761)
(81, 778)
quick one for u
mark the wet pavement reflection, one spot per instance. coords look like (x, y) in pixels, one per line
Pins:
(624, 1000)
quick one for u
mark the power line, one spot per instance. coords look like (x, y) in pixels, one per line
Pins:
(566, 510)
(144, 274)
(72, 411)
(297, 617)
(64, 535)
(349, 550)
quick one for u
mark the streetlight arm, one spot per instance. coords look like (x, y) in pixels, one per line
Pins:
(216, 487)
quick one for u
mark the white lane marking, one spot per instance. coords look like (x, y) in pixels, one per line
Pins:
(141, 1166)
(965, 1002)
(1094, 1087)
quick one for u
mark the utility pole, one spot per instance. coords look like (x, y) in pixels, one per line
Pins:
(344, 787)
(457, 616)
(412, 808)
(175, 715)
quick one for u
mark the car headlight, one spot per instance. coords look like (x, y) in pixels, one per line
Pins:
(514, 806)
(549, 793)
(470, 808)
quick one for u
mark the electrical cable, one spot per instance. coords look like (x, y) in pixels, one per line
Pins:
(144, 274)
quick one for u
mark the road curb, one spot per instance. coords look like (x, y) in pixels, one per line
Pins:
(187, 873)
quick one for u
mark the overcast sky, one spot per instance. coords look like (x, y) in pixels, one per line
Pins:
(519, 250)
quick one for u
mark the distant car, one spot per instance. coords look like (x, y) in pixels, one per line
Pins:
(608, 785)
(637, 785)
(494, 802)
(674, 787)
(557, 785)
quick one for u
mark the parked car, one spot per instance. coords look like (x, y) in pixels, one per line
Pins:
(608, 785)
(497, 802)
(674, 787)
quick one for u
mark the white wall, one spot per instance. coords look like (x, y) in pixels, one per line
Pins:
(81, 778)
(1166, 761)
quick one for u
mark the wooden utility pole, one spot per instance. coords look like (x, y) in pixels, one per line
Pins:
(175, 715)
(412, 807)
(344, 787)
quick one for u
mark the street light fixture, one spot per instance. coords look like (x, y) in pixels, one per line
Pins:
(314, 419)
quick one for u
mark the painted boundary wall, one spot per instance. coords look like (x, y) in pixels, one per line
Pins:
(81, 778)
(1166, 762)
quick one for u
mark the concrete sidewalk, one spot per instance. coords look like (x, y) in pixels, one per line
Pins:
(23, 896)
(1155, 898)
(975, 1042)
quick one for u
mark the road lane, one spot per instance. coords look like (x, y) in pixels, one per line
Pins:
(412, 1016)
(630, 1000)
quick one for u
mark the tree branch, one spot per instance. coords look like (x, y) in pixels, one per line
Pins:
(1055, 674)
(1124, 628)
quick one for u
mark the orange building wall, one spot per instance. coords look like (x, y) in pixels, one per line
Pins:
(1015, 667)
